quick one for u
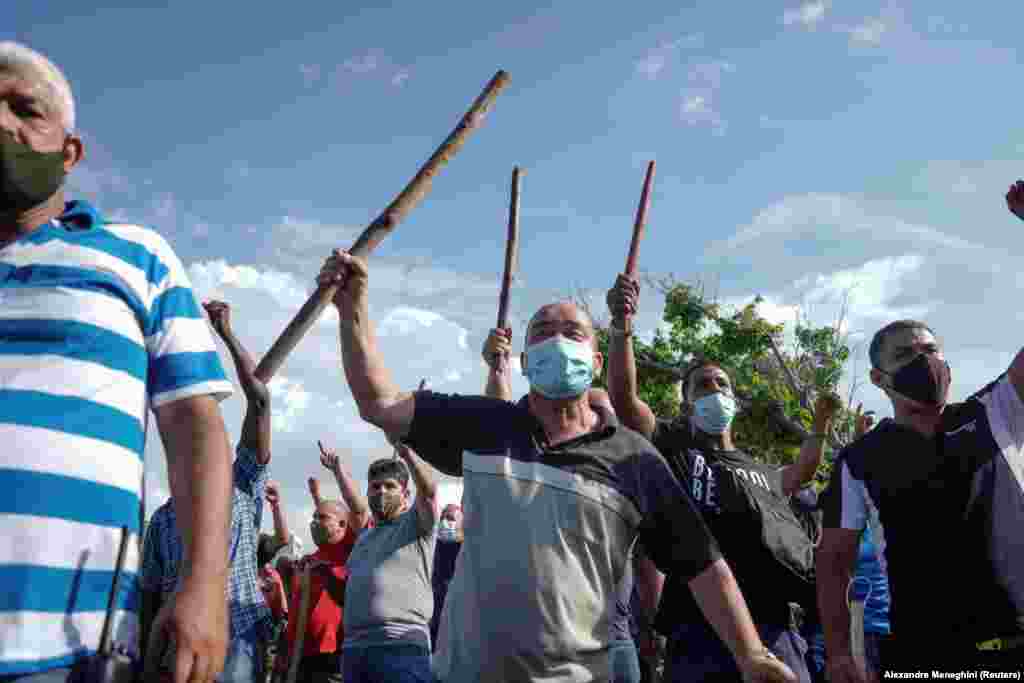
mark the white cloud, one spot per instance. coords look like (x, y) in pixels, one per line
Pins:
(846, 215)
(656, 59)
(808, 15)
(869, 32)
(698, 102)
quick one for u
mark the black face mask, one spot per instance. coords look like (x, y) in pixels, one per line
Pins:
(27, 177)
(925, 379)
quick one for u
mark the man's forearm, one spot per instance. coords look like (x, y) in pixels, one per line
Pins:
(719, 598)
(356, 502)
(368, 378)
(622, 383)
(833, 583)
(280, 525)
(245, 367)
(498, 384)
(199, 460)
(422, 475)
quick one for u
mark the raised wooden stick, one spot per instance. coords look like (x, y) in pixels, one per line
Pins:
(300, 628)
(511, 250)
(407, 199)
(641, 219)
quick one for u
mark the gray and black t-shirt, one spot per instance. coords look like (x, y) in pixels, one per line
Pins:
(548, 537)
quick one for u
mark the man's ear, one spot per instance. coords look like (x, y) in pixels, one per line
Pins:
(598, 363)
(74, 152)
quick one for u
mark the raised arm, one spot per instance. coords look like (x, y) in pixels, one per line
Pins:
(358, 509)
(623, 299)
(273, 495)
(426, 486)
(497, 352)
(795, 475)
(380, 400)
(256, 425)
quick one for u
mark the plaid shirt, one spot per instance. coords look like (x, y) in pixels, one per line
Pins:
(163, 551)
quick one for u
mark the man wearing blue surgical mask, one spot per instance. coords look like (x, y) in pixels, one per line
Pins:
(738, 497)
(557, 492)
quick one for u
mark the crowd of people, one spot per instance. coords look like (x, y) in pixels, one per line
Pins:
(595, 540)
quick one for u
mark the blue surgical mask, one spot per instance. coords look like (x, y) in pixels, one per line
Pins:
(713, 413)
(560, 368)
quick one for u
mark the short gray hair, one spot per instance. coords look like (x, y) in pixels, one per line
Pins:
(26, 63)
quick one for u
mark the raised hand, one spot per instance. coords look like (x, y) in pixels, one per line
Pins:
(272, 491)
(498, 348)
(349, 273)
(220, 316)
(1015, 199)
(863, 422)
(624, 297)
(329, 459)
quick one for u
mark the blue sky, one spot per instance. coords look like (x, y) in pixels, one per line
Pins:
(803, 148)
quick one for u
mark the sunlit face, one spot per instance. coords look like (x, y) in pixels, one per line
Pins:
(707, 380)
(328, 516)
(901, 347)
(565, 319)
(562, 318)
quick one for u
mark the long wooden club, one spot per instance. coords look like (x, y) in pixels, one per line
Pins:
(396, 211)
(300, 628)
(511, 257)
(511, 250)
(641, 219)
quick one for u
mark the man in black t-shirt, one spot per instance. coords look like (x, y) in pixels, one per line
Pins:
(941, 487)
(738, 497)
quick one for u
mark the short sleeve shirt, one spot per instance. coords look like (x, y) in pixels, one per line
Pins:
(921, 496)
(548, 532)
(711, 479)
(389, 598)
(98, 323)
(324, 623)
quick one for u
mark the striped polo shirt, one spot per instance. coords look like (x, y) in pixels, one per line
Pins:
(97, 322)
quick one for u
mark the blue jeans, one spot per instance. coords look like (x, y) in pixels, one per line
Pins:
(696, 653)
(625, 664)
(244, 662)
(390, 663)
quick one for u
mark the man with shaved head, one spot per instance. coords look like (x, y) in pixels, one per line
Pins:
(556, 493)
(334, 529)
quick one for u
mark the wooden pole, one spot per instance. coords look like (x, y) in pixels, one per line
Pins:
(300, 628)
(641, 219)
(395, 212)
(511, 250)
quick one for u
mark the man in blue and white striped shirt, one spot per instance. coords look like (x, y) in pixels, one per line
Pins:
(97, 323)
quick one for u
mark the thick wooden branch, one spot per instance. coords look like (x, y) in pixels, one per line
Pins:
(407, 199)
